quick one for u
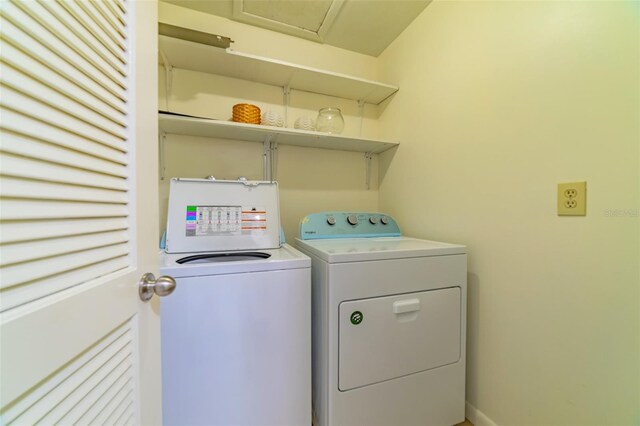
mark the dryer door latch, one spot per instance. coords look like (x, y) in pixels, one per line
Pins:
(407, 305)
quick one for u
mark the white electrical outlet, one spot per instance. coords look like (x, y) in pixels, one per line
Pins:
(572, 199)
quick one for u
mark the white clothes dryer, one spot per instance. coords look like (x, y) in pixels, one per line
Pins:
(235, 333)
(389, 323)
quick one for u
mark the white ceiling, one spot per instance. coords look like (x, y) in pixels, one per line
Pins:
(364, 26)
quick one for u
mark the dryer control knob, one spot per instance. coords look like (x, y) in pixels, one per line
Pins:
(373, 220)
(331, 220)
(384, 220)
(352, 219)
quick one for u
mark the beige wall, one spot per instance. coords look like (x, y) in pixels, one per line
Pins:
(310, 180)
(498, 102)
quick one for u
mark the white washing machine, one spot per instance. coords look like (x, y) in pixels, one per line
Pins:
(236, 332)
(389, 323)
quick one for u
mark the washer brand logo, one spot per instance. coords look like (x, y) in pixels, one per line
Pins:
(356, 317)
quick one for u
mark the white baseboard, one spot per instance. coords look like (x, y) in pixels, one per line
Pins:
(477, 417)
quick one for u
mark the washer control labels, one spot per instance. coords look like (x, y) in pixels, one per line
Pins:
(254, 219)
(206, 221)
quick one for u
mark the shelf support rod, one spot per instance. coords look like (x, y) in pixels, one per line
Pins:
(274, 160)
(361, 112)
(368, 156)
(266, 158)
(269, 158)
(162, 139)
(286, 91)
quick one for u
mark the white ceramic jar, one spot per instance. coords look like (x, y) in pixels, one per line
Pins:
(304, 123)
(272, 118)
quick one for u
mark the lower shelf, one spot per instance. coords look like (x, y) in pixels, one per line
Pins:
(192, 126)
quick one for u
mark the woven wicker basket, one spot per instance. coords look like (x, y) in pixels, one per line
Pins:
(246, 113)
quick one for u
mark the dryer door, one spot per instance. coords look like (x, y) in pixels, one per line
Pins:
(387, 337)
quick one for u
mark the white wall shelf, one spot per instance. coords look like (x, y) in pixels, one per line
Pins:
(204, 127)
(227, 62)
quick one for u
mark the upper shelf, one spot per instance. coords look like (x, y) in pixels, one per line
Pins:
(227, 62)
(192, 126)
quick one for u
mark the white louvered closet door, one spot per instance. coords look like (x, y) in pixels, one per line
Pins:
(78, 212)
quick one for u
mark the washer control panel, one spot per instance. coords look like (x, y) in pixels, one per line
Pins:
(347, 225)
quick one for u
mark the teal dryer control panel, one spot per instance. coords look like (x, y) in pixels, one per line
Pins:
(327, 225)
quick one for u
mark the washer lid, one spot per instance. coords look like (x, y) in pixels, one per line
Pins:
(212, 215)
(363, 249)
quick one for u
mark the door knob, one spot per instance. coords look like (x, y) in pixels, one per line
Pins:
(148, 285)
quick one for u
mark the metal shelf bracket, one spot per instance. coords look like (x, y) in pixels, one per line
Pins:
(168, 78)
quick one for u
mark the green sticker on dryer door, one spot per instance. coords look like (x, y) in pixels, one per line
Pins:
(356, 317)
